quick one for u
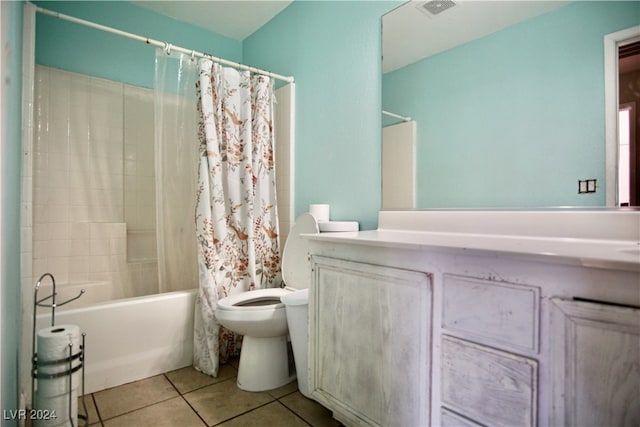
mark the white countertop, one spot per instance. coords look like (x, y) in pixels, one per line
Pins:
(588, 252)
(618, 253)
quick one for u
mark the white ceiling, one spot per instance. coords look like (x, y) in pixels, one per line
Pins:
(235, 19)
(410, 35)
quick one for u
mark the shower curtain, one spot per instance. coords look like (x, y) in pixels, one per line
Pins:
(176, 155)
(236, 215)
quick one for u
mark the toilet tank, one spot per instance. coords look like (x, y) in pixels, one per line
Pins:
(297, 309)
(295, 258)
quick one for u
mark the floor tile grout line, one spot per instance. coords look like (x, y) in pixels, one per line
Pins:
(138, 409)
(182, 396)
(218, 381)
(194, 410)
(287, 394)
(294, 412)
(95, 405)
(172, 384)
(247, 412)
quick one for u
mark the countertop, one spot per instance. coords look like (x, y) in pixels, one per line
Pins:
(602, 253)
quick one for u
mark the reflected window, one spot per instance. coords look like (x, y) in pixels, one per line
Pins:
(624, 139)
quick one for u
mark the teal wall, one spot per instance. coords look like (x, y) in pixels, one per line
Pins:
(11, 172)
(515, 118)
(80, 49)
(333, 50)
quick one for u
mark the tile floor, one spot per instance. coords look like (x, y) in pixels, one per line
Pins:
(188, 398)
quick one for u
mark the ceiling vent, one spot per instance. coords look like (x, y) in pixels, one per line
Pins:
(435, 7)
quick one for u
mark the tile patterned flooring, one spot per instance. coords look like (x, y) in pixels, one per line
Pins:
(188, 398)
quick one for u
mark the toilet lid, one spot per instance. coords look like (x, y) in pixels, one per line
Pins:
(295, 262)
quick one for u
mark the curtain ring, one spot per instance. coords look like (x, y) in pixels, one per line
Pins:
(193, 55)
(167, 48)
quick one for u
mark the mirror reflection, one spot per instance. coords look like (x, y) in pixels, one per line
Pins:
(508, 99)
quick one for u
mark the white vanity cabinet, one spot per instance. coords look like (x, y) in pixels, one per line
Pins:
(370, 342)
(440, 327)
(595, 361)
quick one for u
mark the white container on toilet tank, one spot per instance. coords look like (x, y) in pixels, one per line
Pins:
(322, 214)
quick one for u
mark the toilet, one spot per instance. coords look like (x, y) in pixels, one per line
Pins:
(260, 316)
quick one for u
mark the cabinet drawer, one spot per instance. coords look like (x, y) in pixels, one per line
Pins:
(489, 386)
(498, 314)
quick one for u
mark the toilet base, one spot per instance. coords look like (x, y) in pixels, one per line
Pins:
(264, 364)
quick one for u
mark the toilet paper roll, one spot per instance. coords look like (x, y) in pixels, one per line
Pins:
(54, 410)
(57, 386)
(53, 345)
(320, 212)
(51, 400)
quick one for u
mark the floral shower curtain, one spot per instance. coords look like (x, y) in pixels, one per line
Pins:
(236, 215)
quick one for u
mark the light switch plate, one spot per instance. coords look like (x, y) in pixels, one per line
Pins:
(586, 186)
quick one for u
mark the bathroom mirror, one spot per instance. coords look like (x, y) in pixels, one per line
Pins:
(508, 99)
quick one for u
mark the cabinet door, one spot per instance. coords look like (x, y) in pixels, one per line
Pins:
(595, 357)
(369, 350)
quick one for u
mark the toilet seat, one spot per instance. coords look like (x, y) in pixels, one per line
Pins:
(243, 301)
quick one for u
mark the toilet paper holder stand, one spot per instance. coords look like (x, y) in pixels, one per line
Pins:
(79, 356)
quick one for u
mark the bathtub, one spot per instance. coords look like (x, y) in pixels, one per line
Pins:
(131, 339)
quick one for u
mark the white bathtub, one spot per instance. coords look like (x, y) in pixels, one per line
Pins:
(134, 338)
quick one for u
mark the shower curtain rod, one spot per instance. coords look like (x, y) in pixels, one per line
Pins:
(167, 46)
(397, 116)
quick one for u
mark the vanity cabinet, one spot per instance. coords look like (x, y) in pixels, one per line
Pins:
(429, 322)
(370, 342)
(595, 362)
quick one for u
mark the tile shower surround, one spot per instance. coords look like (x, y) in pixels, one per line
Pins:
(93, 184)
(89, 190)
